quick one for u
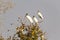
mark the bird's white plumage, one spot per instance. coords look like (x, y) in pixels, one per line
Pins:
(35, 19)
(40, 15)
(29, 18)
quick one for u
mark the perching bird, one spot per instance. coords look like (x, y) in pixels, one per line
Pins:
(29, 18)
(35, 19)
(40, 15)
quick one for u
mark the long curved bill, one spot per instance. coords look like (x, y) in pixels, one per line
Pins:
(35, 19)
(29, 18)
(40, 15)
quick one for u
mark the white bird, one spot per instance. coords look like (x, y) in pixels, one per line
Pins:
(35, 19)
(40, 15)
(29, 18)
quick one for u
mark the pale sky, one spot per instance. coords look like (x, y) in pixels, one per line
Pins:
(49, 8)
